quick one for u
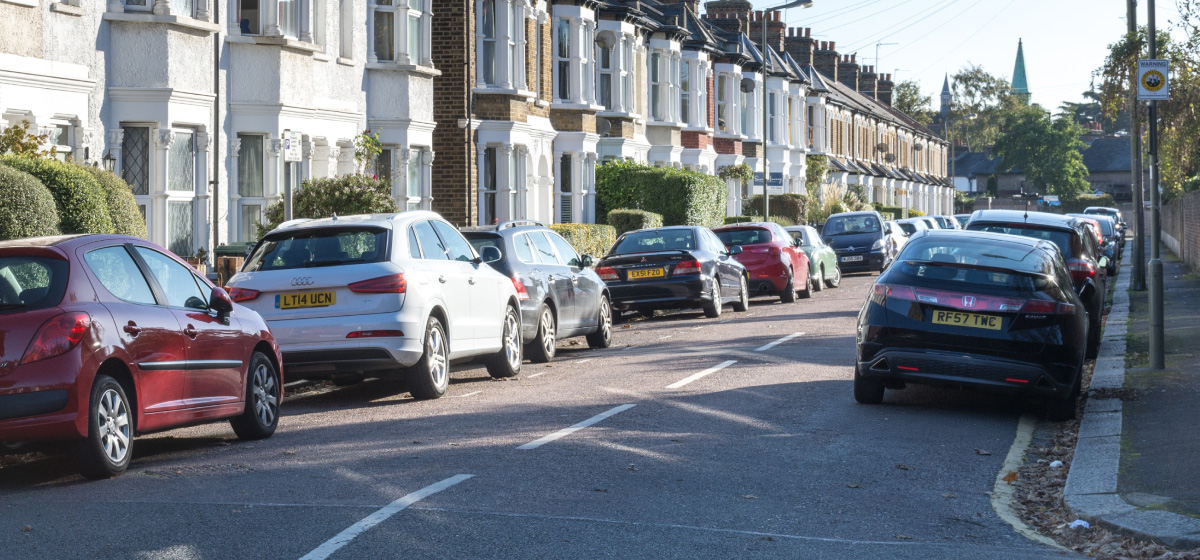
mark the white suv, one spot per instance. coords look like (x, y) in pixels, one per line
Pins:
(381, 295)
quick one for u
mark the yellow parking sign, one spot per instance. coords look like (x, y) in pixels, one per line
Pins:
(1153, 82)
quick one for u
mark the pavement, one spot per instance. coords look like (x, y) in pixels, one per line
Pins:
(1135, 464)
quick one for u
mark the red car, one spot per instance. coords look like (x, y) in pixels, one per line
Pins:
(103, 337)
(775, 265)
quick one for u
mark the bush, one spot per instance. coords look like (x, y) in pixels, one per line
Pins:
(588, 239)
(625, 219)
(914, 213)
(1082, 201)
(324, 197)
(27, 207)
(122, 208)
(79, 199)
(682, 197)
(790, 205)
(781, 220)
(895, 211)
(740, 219)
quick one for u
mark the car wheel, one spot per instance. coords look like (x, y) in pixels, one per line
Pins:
(430, 376)
(743, 301)
(507, 362)
(541, 350)
(712, 308)
(1063, 409)
(788, 295)
(261, 416)
(106, 451)
(837, 277)
(1093, 341)
(867, 391)
(807, 292)
(819, 281)
(602, 338)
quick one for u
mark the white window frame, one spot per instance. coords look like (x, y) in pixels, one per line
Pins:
(609, 72)
(486, 66)
(182, 196)
(489, 162)
(656, 93)
(564, 195)
(245, 199)
(722, 116)
(685, 92)
(346, 28)
(415, 15)
(562, 79)
(391, 8)
(626, 65)
(298, 7)
(772, 114)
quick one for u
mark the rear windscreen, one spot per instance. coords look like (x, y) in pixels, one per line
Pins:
(968, 264)
(1066, 242)
(309, 248)
(746, 236)
(480, 242)
(653, 240)
(840, 225)
(907, 227)
(29, 283)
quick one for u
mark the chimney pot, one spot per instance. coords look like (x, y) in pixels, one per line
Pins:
(808, 32)
(778, 15)
(832, 46)
(853, 57)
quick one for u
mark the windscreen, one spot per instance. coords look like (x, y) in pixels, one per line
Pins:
(744, 236)
(480, 241)
(843, 225)
(971, 265)
(649, 241)
(309, 248)
(29, 283)
(1066, 242)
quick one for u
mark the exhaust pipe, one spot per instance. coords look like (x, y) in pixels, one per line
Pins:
(764, 288)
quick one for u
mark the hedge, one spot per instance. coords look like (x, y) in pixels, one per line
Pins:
(682, 197)
(914, 213)
(781, 221)
(896, 211)
(122, 208)
(741, 219)
(625, 219)
(27, 207)
(346, 196)
(792, 206)
(588, 239)
(1082, 201)
(80, 201)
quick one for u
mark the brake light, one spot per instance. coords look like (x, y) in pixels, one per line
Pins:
(241, 294)
(374, 334)
(773, 251)
(686, 267)
(1080, 269)
(1047, 307)
(391, 284)
(522, 293)
(607, 273)
(57, 336)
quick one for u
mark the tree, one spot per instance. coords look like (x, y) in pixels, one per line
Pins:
(17, 139)
(1047, 151)
(908, 100)
(980, 103)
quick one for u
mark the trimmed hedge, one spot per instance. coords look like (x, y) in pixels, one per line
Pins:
(792, 206)
(588, 239)
(682, 197)
(346, 196)
(781, 221)
(740, 219)
(80, 201)
(625, 219)
(896, 211)
(914, 213)
(122, 208)
(1082, 201)
(26, 208)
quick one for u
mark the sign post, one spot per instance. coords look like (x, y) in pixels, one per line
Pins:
(1153, 80)
(292, 153)
(1153, 85)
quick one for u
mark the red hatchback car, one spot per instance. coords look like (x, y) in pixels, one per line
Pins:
(103, 337)
(775, 265)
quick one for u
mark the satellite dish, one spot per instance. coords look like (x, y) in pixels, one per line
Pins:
(747, 85)
(882, 147)
(890, 158)
(918, 147)
(603, 127)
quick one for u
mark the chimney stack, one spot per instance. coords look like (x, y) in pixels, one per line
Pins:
(867, 82)
(884, 89)
(732, 16)
(801, 45)
(848, 71)
(825, 59)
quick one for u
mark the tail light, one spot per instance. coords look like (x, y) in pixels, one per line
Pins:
(522, 293)
(607, 273)
(391, 284)
(57, 336)
(773, 251)
(1047, 307)
(241, 294)
(686, 267)
(1080, 269)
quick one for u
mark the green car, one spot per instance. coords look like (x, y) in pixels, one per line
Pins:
(822, 261)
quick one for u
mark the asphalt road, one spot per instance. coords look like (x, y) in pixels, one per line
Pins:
(766, 457)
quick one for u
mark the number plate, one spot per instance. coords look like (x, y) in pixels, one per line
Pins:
(643, 273)
(990, 322)
(852, 258)
(306, 299)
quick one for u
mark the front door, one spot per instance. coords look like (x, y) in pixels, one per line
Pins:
(558, 276)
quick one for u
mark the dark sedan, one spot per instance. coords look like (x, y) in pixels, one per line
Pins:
(974, 309)
(682, 267)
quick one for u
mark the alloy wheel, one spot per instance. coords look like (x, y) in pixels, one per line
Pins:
(548, 334)
(512, 340)
(435, 348)
(112, 419)
(266, 400)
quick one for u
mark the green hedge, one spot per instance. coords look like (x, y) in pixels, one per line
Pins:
(80, 201)
(122, 208)
(1082, 201)
(741, 219)
(26, 208)
(588, 239)
(897, 212)
(792, 206)
(625, 219)
(682, 197)
(781, 221)
(345, 196)
(914, 213)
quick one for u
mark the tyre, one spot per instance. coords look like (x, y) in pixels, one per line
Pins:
(836, 280)
(712, 307)
(819, 281)
(743, 302)
(867, 391)
(602, 338)
(106, 451)
(541, 350)
(1063, 409)
(788, 295)
(807, 292)
(263, 390)
(507, 362)
(430, 376)
(1093, 340)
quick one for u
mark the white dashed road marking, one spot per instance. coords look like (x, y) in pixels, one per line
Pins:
(568, 431)
(766, 347)
(467, 395)
(706, 372)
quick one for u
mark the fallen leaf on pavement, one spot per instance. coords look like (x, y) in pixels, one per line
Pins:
(626, 326)
(1011, 477)
(290, 452)
(600, 489)
(631, 468)
(979, 451)
(905, 537)
(853, 486)
(904, 467)
(948, 495)
(27, 528)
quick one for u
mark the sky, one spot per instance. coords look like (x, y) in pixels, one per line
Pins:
(1064, 39)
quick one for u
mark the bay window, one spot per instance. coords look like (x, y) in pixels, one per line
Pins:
(289, 18)
(416, 176)
(250, 183)
(685, 89)
(487, 187)
(745, 117)
(771, 112)
(722, 102)
(415, 36)
(565, 190)
(656, 87)
(385, 30)
(562, 57)
(181, 190)
(487, 26)
(135, 163)
(627, 76)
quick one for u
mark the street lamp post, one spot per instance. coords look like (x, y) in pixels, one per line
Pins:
(765, 61)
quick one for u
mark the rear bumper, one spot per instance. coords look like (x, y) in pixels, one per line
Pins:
(957, 369)
(319, 349)
(47, 400)
(767, 278)
(673, 293)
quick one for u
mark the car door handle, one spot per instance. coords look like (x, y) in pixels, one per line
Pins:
(574, 279)
(471, 281)
(191, 331)
(442, 279)
(132, 329)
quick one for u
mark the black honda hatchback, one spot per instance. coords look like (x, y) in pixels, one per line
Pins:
(974, 309)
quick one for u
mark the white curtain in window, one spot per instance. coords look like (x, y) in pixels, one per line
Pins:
(250, 216)
(182, 163)
(250, 165)
(414, 180)
(289, 18)
(179, 227)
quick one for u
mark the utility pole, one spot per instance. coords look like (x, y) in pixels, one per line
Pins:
(1135, 158)
(1157, 359)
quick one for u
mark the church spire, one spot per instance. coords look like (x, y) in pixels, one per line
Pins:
(1020, 84)
(946, 97)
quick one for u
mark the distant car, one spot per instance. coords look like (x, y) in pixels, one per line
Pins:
(860, 240)
(682, 267)
(947, 222)
(105, 337)
(821, 259)
(910, 226)
(1109, 245)
(897, 237)
(983, 310)
(1077, 243)
(561, 296)
(1116, 215)
(962, 220)
(774, 264)
(930, 222)
(381, 295)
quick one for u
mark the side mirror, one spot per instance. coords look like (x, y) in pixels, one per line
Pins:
(220, 302)
(490, 254)
(586, 261)
(1102, 263)
(735, 250)
(1122, 224)
(887, 230)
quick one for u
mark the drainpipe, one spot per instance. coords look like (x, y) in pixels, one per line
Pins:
(215, 140)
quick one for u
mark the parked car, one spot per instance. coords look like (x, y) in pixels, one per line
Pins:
(930, 222)
(962, 220)
(106, 337)
(822, 261)
(974, 309)
(774, 264)
(382, 295)
(947, 222)
(1108, 238)
(1115, 213)
(861, 241)
(682, 267)
(910, 226)
(1078, 246)
(561, 297)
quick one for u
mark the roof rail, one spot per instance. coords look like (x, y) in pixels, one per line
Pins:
(294, 222)
(517, 223)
